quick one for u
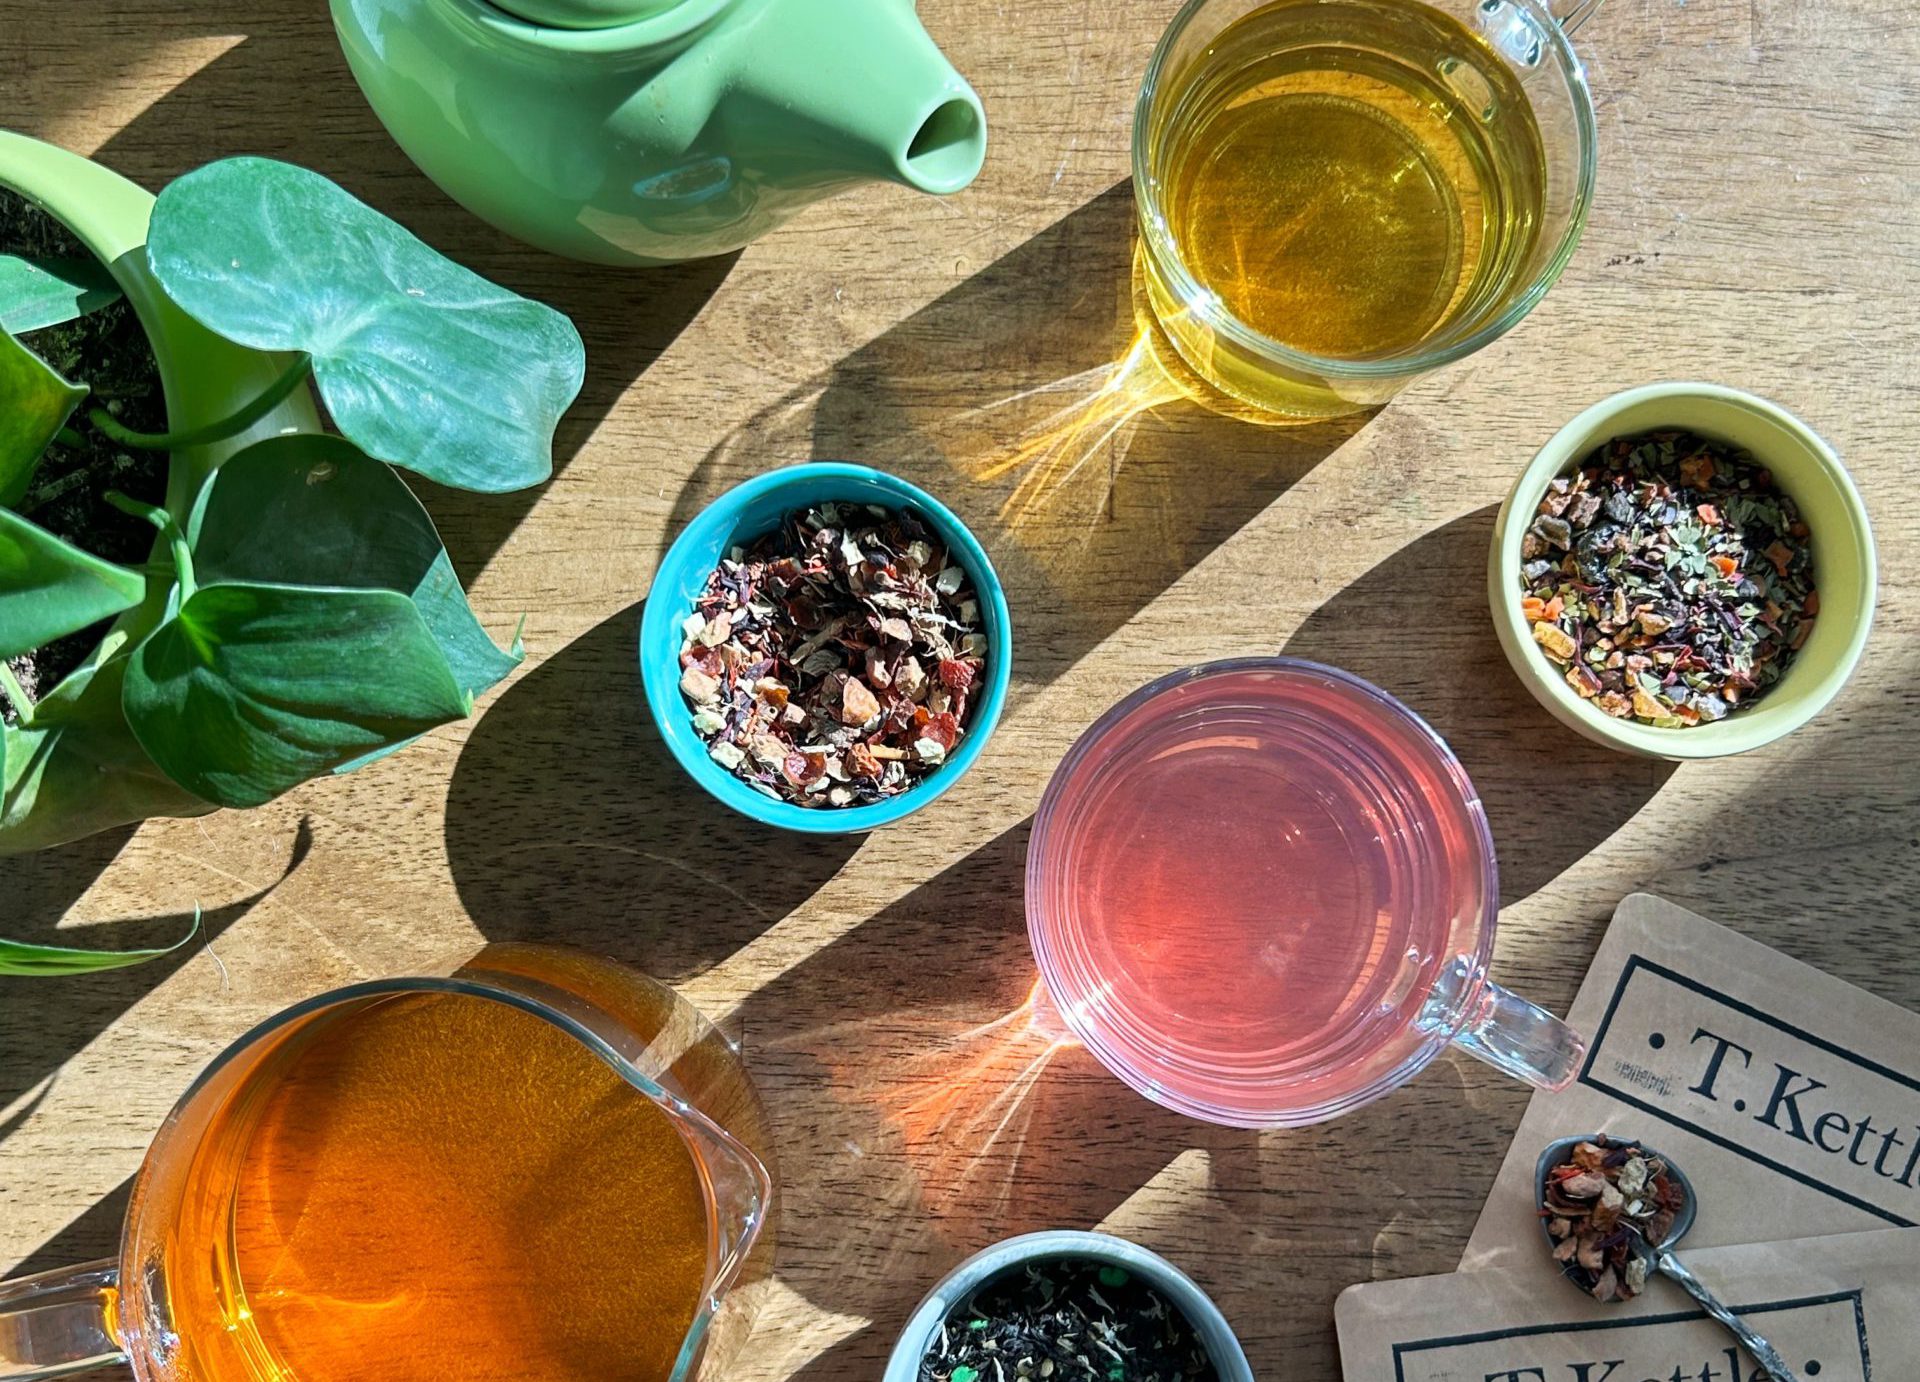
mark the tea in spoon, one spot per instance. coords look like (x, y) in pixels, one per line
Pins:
(1613, 1210)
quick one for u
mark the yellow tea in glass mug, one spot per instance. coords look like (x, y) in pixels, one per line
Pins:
(540, 1166)
(1336, 196)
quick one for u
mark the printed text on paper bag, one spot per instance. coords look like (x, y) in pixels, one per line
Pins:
(1763, 1088)
(1825, 1337)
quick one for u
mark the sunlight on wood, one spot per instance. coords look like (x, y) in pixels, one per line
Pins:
(792, 1331)
(1172, 1192)
(865, 331)
(1064, 461)
(159, 68)
(959, 1110)
(775, 952)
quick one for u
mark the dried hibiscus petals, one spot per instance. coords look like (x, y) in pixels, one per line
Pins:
(1669, 579)
(831, 662)
(1606, 1198)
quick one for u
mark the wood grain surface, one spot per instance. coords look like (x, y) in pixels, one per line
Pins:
(1756, 224)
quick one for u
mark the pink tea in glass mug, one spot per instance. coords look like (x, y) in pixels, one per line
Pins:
(1263, 892)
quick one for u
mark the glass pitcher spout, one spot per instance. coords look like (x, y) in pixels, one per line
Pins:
(740, 1193)
(668, 1051)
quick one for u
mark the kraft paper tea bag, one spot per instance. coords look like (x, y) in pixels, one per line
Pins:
(1843, 1308)
(1791, 1099)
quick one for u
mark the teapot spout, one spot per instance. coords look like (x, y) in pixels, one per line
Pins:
(858, 89)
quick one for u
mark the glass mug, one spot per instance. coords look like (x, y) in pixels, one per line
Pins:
(1262, 892)
(1337, 196)
(580, 1153)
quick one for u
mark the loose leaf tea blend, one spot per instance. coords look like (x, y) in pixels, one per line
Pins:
(1600, 1203)
(1669, 578)
(1066, 1320)
(831, 662)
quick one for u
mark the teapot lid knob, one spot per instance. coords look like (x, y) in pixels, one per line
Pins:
(585, 14)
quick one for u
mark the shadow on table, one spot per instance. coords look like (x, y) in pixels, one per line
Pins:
(918, 1122)
(568, 821)
(901, 1093)
(1027, 400)
(92, 1236)
(627, 318)
(627, 323)
(1417, 625)
(1818, 853)
(42, 887)
(45, 1020)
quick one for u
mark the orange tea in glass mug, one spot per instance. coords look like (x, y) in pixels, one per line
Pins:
(538, 1165)
(1336, 196)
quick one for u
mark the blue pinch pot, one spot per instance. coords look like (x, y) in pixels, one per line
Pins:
(736, 518)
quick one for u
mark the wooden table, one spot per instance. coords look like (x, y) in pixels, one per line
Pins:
(1756, 224)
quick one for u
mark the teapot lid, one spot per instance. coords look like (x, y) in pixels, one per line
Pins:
(585, 14)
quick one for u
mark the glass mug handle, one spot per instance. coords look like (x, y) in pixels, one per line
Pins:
(1521, 1039)
(58, 1322)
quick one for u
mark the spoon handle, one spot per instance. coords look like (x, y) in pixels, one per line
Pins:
(1764, 1353)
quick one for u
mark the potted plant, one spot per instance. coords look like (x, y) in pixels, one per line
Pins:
(295, 613)
(1068, 1306)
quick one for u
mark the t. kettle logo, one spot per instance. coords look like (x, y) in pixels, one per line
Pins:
(1825, 1336)
(1762, 1088)
(1727, 1366)
(1851, 1134)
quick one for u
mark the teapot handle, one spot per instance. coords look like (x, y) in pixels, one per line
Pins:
(59, 1322)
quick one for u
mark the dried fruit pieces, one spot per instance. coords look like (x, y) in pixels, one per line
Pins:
(1669, 578)
(1600, 1204)
(832, 661)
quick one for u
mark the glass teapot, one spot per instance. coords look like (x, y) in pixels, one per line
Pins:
(565, 1134)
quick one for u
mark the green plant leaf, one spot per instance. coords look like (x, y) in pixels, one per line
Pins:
(78, 770)
(17, 957)
(35, 293)
(313, 510)
(421, 362)
(50, 588)
(37, 404)
(252, 689)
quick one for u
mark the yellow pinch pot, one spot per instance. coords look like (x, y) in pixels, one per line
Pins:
(1803, 465)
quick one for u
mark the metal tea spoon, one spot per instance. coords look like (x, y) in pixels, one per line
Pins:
(1659, 1256)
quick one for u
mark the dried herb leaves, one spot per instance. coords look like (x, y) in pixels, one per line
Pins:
(1669, 578)
(1066, 1320)
(1601, 1203)
(831, 662)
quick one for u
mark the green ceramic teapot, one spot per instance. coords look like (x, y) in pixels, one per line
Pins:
(649, 131)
